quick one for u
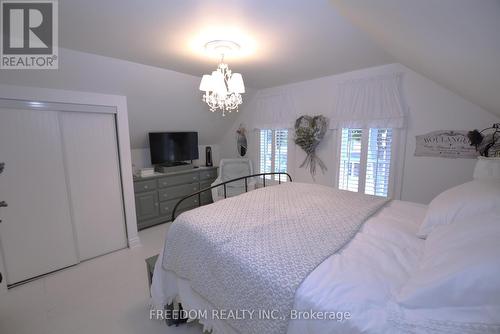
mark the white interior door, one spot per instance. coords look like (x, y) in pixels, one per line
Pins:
(36, 233)
(91, 156)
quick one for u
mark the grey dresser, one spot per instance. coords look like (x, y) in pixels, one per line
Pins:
(156, 196)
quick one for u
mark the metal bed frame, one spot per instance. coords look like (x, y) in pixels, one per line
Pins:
(198, 193)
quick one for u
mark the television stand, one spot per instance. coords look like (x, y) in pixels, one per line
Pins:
(173, 166)
(174, 163)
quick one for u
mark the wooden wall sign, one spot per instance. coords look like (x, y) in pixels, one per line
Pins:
(445, 144)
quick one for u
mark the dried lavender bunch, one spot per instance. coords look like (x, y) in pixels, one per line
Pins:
(309, 131)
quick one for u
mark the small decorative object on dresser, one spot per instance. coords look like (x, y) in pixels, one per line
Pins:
(144, 172)
(156, 196)
(208, 156)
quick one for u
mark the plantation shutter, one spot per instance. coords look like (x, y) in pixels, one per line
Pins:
(273, 152)
(378, 166)
(281, 152)
(350, 159)
(266, 149)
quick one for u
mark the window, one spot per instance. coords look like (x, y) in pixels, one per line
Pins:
(365, 161)
(273, 152)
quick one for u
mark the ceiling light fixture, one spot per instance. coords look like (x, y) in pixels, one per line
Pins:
(222, 88)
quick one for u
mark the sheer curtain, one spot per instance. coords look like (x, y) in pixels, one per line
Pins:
(274, 110)
(374, 102)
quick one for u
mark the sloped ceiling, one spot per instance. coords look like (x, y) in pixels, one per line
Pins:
(289, 40)
(453, 42)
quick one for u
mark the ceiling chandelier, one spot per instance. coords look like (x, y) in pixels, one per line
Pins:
(222, 88)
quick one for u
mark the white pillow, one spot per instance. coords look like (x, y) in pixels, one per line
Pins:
(459, 267)
(464, 201)
(487, 169)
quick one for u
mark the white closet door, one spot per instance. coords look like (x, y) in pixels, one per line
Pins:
(91, 156)
(36, 233)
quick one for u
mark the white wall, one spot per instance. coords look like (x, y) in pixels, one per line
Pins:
(158, 99)
(431, 107)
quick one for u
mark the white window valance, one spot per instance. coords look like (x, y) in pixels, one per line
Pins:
(274, 110)
(374, 102)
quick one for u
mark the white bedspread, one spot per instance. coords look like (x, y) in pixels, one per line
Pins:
(360, 279)
(252, 251)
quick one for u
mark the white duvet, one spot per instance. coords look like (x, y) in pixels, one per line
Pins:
(360, 279)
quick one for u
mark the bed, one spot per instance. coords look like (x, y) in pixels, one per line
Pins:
(352, 290)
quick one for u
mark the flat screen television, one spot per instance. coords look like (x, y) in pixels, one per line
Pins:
(169, 148)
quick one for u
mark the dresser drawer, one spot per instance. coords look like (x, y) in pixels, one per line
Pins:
(146, 205)
(206, 197)
(178, 191)
(142, 186)
(206, 184)
(166, 208)
(208, 174)
(177, 179)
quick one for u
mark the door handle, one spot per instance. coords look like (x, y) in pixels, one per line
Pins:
(3, 204)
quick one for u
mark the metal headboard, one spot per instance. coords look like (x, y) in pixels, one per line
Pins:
(223, 184)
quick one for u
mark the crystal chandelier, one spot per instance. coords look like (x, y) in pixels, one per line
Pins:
(222, 88)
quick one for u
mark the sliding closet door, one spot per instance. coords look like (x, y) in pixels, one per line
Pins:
(92, 163)
(36, 234)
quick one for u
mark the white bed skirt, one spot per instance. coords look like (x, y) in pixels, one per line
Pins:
(168, 287)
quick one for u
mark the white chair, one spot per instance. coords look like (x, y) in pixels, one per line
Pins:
(231, 169)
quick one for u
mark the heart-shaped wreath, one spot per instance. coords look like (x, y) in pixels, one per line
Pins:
(309, 131)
